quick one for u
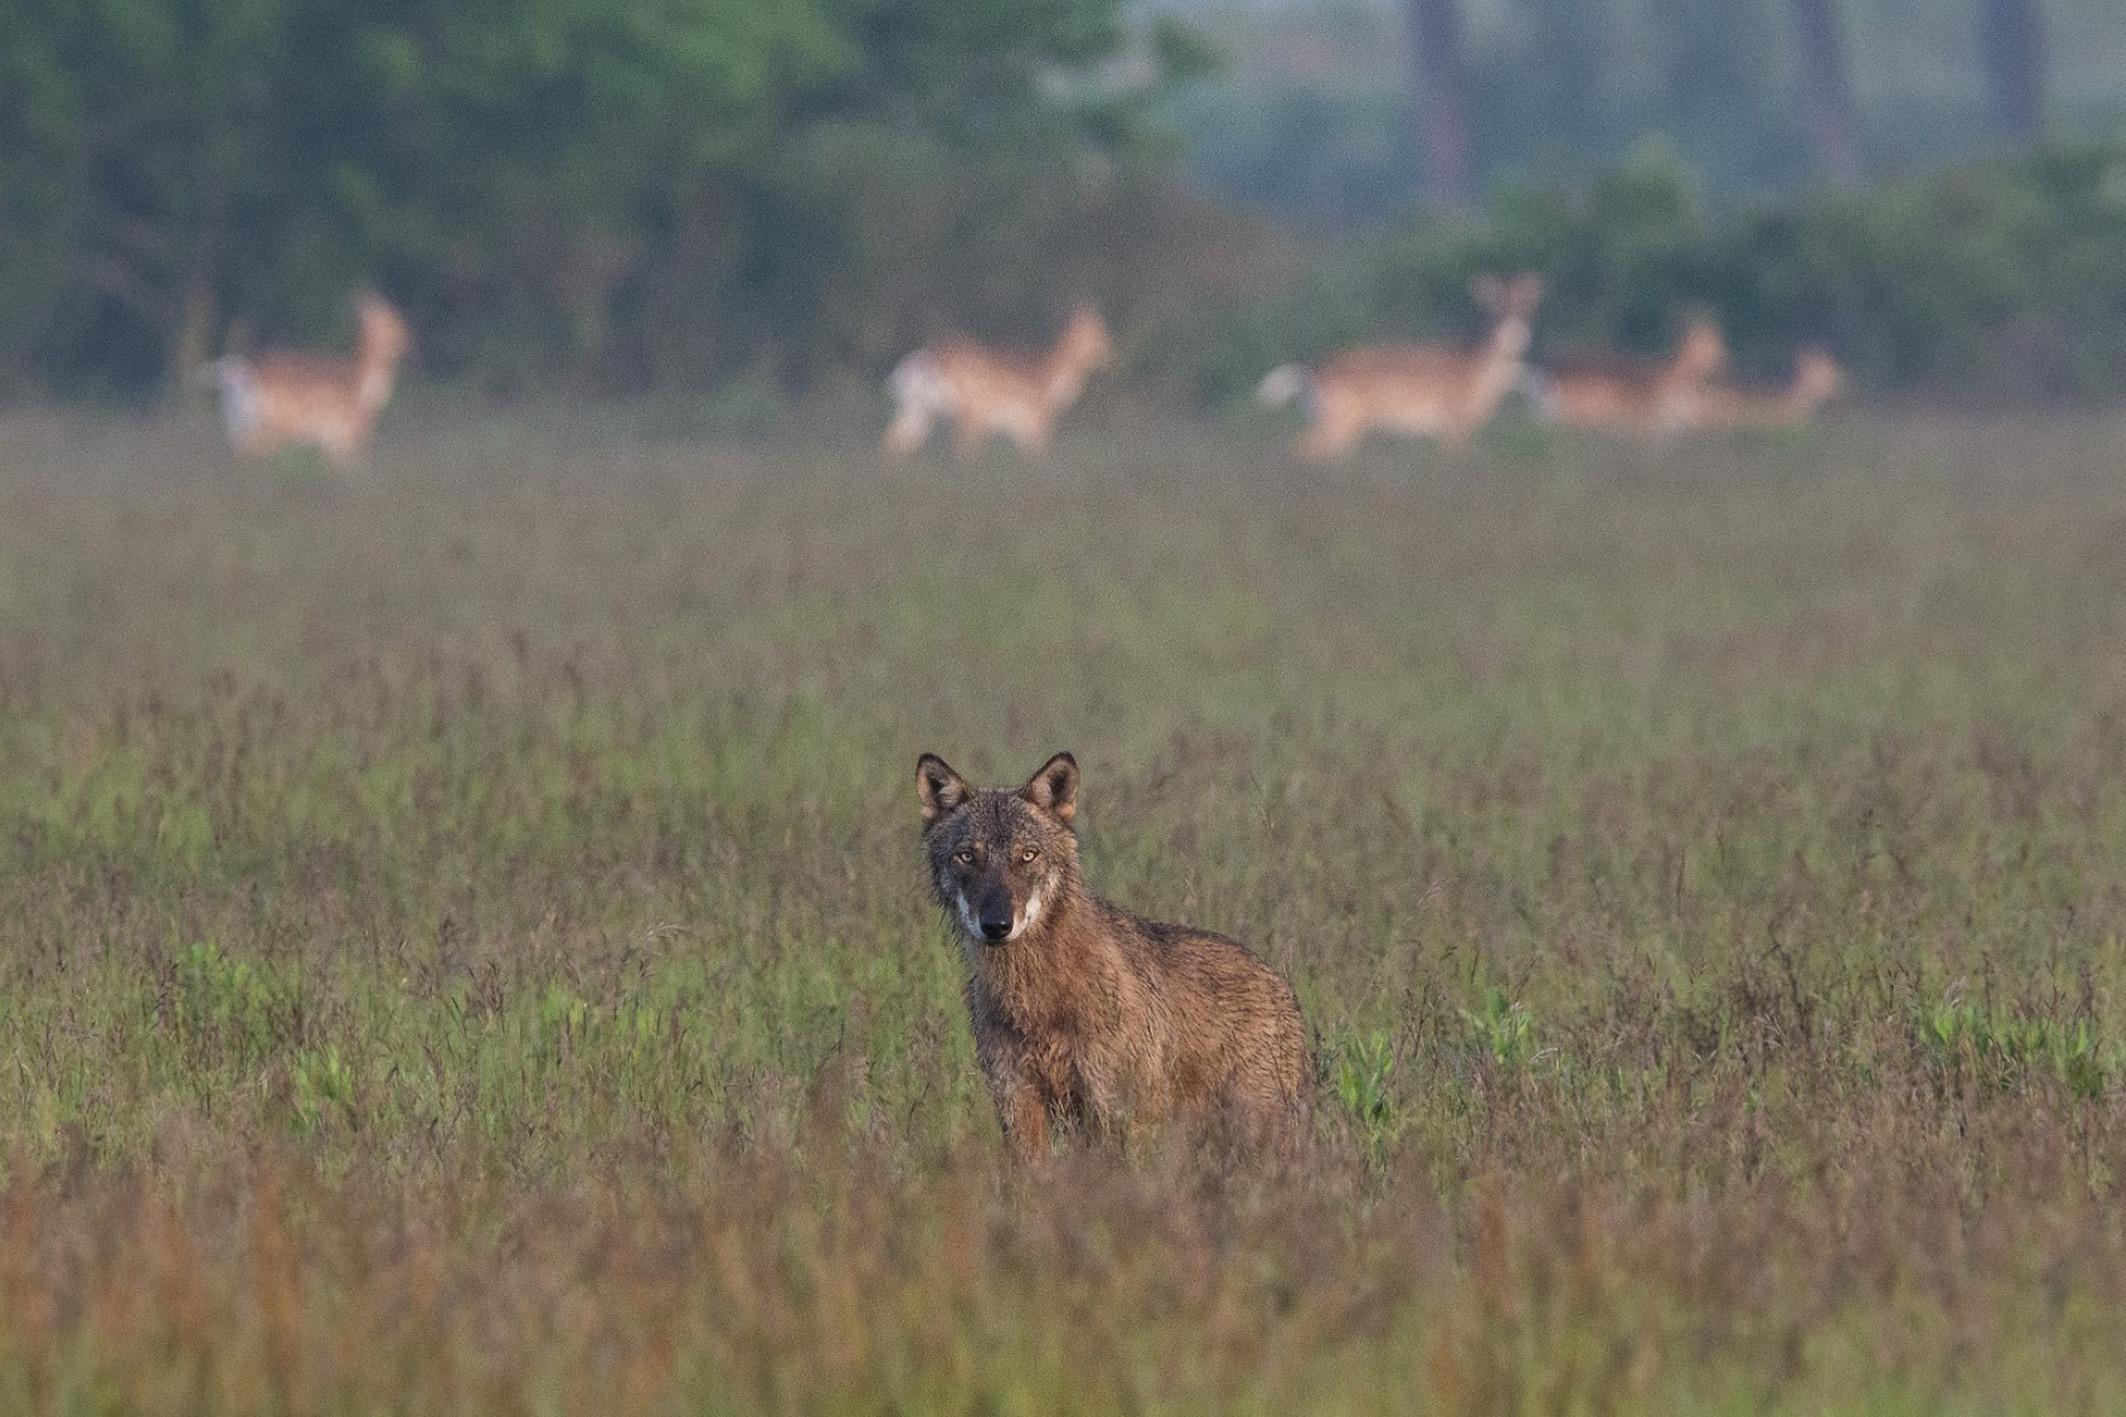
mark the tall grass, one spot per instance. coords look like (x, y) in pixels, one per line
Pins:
(463, 948)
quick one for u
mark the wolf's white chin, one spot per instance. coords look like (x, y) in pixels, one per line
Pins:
(1028, 913)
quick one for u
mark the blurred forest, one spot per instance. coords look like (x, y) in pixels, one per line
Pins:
(628, 194)
(1759, 98)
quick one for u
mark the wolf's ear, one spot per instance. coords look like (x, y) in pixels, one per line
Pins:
(940, 787)
(1054, 788)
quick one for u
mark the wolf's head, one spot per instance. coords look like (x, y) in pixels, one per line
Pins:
(1000, 858)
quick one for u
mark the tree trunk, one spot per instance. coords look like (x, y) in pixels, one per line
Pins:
(2012, 40)
(1441, 100)
(1827, 81)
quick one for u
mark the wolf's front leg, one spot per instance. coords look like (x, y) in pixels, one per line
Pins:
(1024, 1114)
(1022, 1104)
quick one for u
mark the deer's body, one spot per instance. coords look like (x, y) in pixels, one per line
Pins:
(1420, 390)
(988, 392)
(1635, 395)
(1817, 379)
(279, 399)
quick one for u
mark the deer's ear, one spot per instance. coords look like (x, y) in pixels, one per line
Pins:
(939, 786)
(1527, 290)
(1054, 789)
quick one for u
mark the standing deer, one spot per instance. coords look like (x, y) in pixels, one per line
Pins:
(985, 392)
(278, 399)
(1817, 380)
(1638, 395)
(1419, 390)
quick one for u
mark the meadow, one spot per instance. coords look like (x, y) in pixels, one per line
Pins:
(463, 942)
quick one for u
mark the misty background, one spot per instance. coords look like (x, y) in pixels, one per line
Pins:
(1759, 98)
(770, 199)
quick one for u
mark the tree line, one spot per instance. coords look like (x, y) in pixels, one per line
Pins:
(2011, 51)
(527, 175)
(618, 194)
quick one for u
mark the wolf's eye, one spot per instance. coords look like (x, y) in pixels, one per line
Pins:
(1029, 854)
(965, 858)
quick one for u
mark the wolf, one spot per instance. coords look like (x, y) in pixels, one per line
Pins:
(1086, 1016)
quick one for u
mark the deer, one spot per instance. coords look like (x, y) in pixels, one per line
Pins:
(278, 399)
(986, 392)
(1620, 391)
(1816, 381)
(1415, 390)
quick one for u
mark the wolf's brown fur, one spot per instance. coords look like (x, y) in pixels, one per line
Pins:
(1084, 1013)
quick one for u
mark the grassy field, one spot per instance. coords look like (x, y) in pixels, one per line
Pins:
(463, 946)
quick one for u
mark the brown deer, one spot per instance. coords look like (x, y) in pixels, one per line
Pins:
(986, 392)
(1817, 380)
(1638, 395)
(1424, 390)
(278, 399)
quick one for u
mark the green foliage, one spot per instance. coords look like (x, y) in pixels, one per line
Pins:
(520, 176)
(1314, 123)
(231, 1005)
(561, 1014)
(1999, 280)
(1502, 1029)
(1968, 1041)
(464, 947)
(1362, 1066)
(322, 1085)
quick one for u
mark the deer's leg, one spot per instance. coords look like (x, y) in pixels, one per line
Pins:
(909, 430)
(343, 447)
(1032, 435)
(1330, 435)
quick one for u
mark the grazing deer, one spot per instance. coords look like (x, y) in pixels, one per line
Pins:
(985, 392)
(1817, 380)
(1641, 395)
(1414, 390)
(277, 399)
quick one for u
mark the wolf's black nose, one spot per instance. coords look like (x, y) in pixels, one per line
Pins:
(994, 930)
